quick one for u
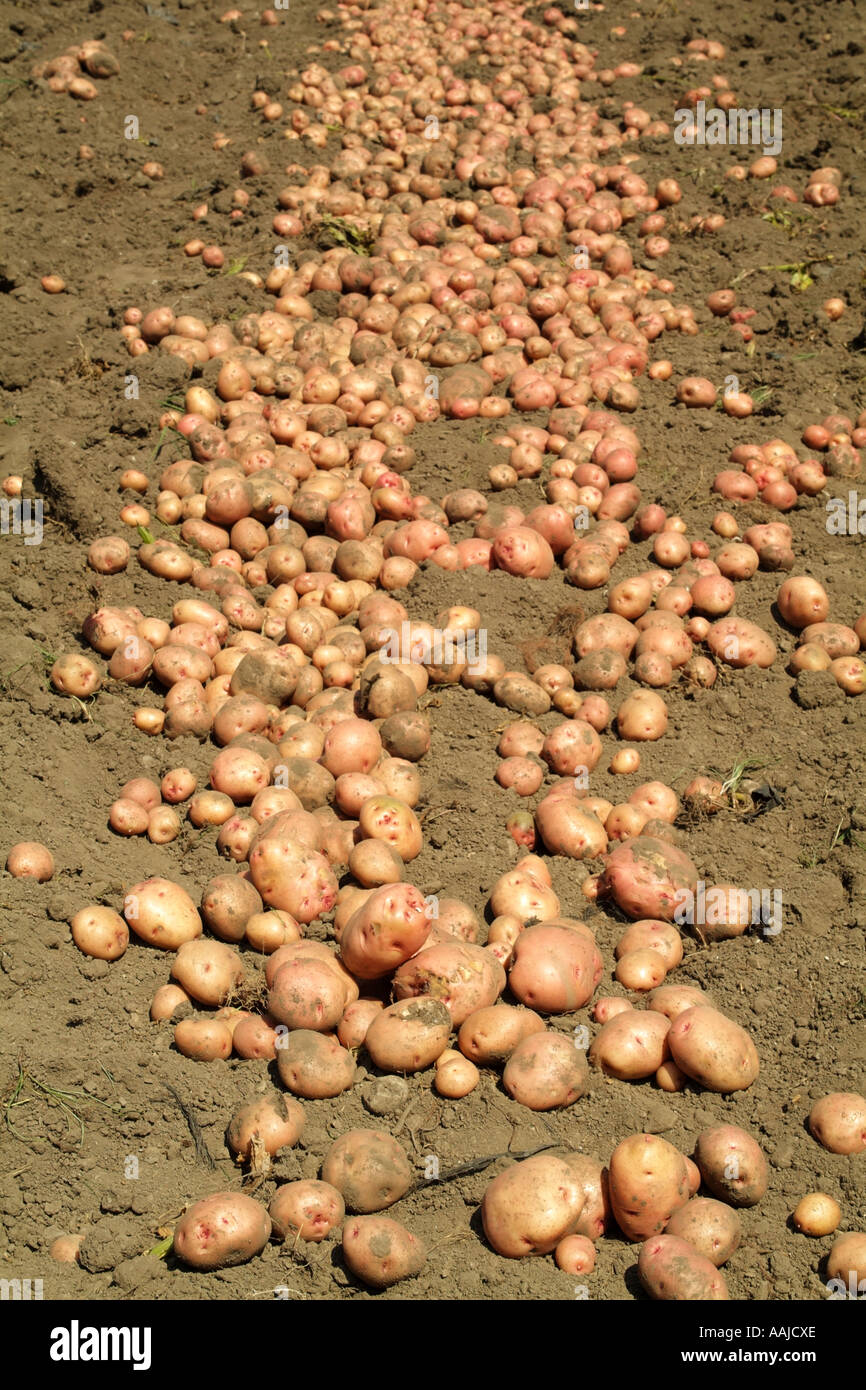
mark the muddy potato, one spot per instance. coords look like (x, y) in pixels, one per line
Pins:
(838, 1122)
(207, 970)
(161, 913)
(554, 969)
(648, 1183)
(527, 1209)
(100, 932)
(672, 1270)
(490, 1035)
(380, 1252)
(409, 1035)
(313, 1065)
(713, 1050)
(369, 1169)
(732, 1165)
(464, 977)
(632, 1045)
(228, 1228)
(274, 1122)
(710, 1226)
(309, 1209)
(546, 1071)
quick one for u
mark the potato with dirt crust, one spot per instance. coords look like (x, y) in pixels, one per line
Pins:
(732, 1165)
(546, 1072)
(161, 913)
(632, 1045)
(597, 1214)
(490, 1035)
(646, 877)
(554, 970)
(605, 631)
(380, 1252)
(525, 891)
(273, 1122)
(838, 1122)
(313, 1065)
(518, 692)
(528, 1208)
(308, 1209)
(391, 925)
(713, 1050)
(288, 875)
(408, 1036)
(369, 1169)
(711, 1227)
(672, 1270)
(228, 1228)
(203, 1039)
(464, 977)
(649, 1181)
(208, 971)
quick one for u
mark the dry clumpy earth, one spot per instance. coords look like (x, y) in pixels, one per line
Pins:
(78, 1046)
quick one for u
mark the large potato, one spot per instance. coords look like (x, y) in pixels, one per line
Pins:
(161, 913)
(649, 1181)
(389, 927)
(307, 993)
(647, 878)
(567, 827)
(713, 1050)
(554, 969)
(228, 1228)
(674, 1271)
(287, 874)
(632, 1045)
(380, 1252)
(741, 643)
(527, 1209)
(207, 970)
(597, 1214)
(462, 976)
(546, 1072)
(369, 1169)
(489, 1036)
(314, 1065)
(732, 1165)
(838, 1122)
(409, 1035)
(710, 1226)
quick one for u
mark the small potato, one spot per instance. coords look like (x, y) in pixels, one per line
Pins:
(127, 817)
(531, 1206)
(30, 859)
(274, 1122)
(387, 819)
(409, 1035)
(608, 1007)
(710, 1226)
(672, 1270)
(575, 1255)
(816, 1214)
(307, 1209)
(632, 1045)
(313, 1065)
(253, 1037)
(161, 913)
(642, 716)
(641, 970)
(74, 674)
(307, 993)
(166, 1002)
(713, 1050)
(546, 1072)
(369, 1169)
(228, 1228)
(380, 1252)
(268, 931)
(207, 970)
(490, 1035)
(732, 1165)
(662, 937)
(100, 932)
(65, 1249)
(203, 1039)
(456, 1077)
(356, 1020)
(838, 1122)
(525, 891)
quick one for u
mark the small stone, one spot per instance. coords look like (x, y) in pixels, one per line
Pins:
(387, 1096)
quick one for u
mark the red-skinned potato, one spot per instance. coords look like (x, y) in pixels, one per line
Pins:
(391, 925)
(713, 1050)
(567, 827)
(847, 1261)
(642, 716)
(380, 1252)
(307, 993)
(228, 1228)
(527, 1209)
(741, 643)
(307, 1209)
(525, 892)
(254, 1038)
(802, 601)
(455, 1076)
(490, 1035)
(207, 970)
(392, 821)
(632, 1045)
(30, 859)
(597, 1215)
(647, 934)
(314, 1065)
(648, 1183)
(408, 1036)
(356, 1020)
(672, 1270)
(369, 1169)
(272, 1122)
(672, 1000)
(166, 1002)
(554, 969)
(732, 1165)
(546, 1071)
(463, 976)
(290, 876)
(710, 1226)
(161, 913)
(203, 1039)
(838, 1122)
(647, 877)
(100, 932)
(228, 902)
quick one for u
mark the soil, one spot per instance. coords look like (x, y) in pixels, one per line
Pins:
(101, 1146)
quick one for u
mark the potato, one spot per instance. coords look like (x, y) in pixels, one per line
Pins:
(462, 976)
(847, 1262)
(228, 1228)
(816, 1214)
(672, 1270)
(525, 891)
(161, 913)
(274, 1121)
(732, 1165)
(554, 969)
(597, 1214)
(253, 1037)
(369, 1169)
(642, 716)
(313, 1065)
(567, 827)
(100, 932)
(288, 875)
(380, 1252)
(672, 1000)
(546, 1072)
(711, 1227)
(307, 993)
(409, 1035)
(631, 1045)
(166, 1002)
(662, 937)
(387, 928)
(647, 878)
(490, 1035)
(528, 1208)
(740, 643)
(713, 1050)
(648, 1183)
(203, 1039)
(455, 1077)
(838, 1122)
(575, 1255)
(307, 1209)
(207, 970)
(605, 631)
(516, 691)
